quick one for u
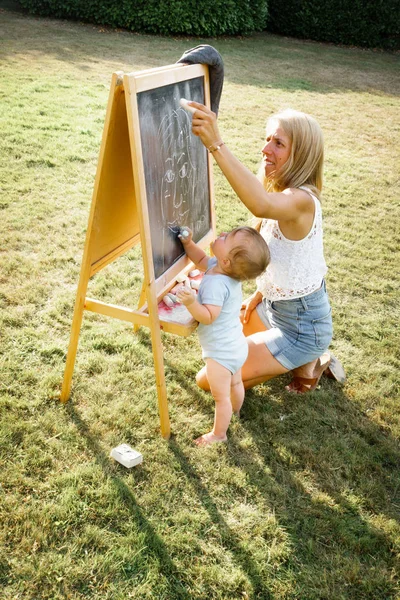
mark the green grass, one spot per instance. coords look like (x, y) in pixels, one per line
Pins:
(303, 503)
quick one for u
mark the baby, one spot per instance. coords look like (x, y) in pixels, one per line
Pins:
(239, 255)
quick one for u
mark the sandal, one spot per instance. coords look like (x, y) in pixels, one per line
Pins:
(335, 370)
(329, 365)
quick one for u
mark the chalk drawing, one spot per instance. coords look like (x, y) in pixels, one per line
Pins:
(178, 181)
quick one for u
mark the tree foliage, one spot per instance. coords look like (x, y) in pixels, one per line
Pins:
(368, 23)
(188, 17)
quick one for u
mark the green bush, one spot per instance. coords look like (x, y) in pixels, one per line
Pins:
(368, 23)
(188, 17)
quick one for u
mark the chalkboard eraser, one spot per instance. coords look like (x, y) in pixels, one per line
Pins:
(126, 455)
(185, 104)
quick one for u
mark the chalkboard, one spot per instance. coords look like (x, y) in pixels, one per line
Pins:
(175, 165)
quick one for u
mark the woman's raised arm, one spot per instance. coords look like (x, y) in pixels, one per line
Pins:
(288, 205)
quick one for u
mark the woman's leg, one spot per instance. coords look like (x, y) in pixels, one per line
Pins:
(311, 370)
(237, 392)
(259, 366)
(219, 379)
(271, 368)
(253, 325)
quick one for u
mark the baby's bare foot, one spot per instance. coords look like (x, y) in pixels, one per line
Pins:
(209, 438)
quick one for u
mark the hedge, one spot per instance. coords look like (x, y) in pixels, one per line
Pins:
(189, 17)
(368, 23)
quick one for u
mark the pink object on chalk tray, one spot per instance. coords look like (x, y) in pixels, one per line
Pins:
(177, 314)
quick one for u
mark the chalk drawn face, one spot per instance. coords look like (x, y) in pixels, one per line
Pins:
(177, 181)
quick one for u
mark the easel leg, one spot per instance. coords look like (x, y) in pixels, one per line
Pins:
(72, 349)
(140, 303)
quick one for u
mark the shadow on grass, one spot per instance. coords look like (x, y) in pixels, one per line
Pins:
(175, 579)
(324, 465)
(228, 537)
(324, 469)
(230, 541)
(318, 474)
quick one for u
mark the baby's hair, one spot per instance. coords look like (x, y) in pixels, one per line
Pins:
(250, 257)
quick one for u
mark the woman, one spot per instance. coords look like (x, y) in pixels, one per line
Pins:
(288, 318)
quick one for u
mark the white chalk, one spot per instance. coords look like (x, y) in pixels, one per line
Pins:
(195, 284)
(194, 273)
(183, 232)
(126, 455)
(173, 297)
(168, 301)
(181, 278)
(184, 103)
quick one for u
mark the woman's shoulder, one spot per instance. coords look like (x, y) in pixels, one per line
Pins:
(302, 197)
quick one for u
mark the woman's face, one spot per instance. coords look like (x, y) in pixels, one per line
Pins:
(276, 150)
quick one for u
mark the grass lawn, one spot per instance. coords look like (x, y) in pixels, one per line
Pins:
(303, 503)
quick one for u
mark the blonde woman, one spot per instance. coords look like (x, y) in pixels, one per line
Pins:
(287, 320)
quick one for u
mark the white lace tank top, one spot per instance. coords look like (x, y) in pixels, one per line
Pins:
(297, 267)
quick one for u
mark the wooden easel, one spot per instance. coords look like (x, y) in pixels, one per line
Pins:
(119, 219)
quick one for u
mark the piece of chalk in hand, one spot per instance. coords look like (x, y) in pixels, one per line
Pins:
(195, 284)
(194, 273)
(173, 297)
(183, 232)
(184, 103)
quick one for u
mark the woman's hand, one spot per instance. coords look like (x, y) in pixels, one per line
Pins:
(204, 124)
(250, 304)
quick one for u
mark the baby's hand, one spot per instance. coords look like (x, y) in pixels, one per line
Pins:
(185, 235)
(186, 296)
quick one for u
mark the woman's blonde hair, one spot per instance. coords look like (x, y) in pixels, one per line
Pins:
(304, 167)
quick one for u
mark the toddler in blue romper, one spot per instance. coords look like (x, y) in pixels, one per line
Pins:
(223, 340)
(239, 255)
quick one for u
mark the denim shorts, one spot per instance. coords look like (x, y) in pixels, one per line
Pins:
(299, 330)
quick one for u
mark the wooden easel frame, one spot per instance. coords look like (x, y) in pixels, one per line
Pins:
(119, 220)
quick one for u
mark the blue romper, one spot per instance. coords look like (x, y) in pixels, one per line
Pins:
(223, 340)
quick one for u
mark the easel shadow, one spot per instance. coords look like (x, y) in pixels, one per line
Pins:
(228, 538)
(174, 578)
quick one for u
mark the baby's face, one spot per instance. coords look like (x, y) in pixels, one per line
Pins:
(224, 243)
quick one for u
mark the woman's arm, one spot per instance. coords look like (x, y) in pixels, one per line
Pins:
(289, 205)
(250, 304)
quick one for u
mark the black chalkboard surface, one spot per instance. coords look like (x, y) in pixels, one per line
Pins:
(175, 166)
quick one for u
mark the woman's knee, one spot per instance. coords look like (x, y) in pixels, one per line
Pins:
(202, 381)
